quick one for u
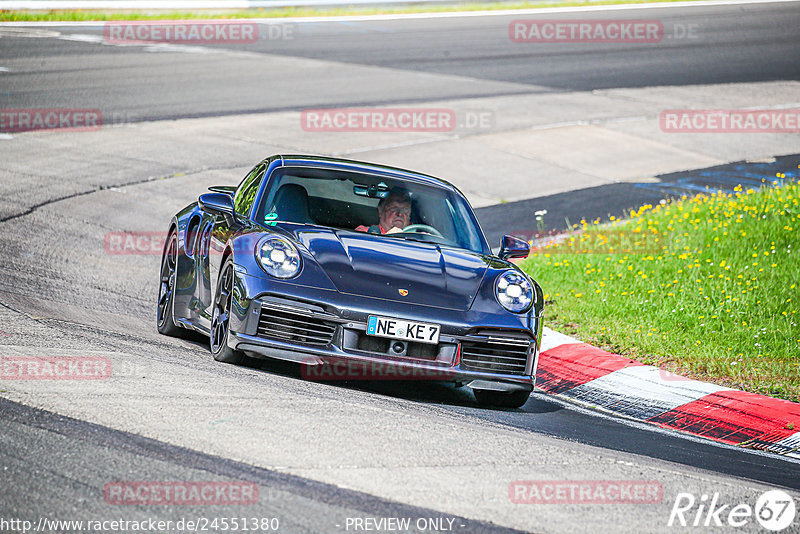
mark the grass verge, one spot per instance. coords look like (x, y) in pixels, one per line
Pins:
(284, 12)
(705, 287)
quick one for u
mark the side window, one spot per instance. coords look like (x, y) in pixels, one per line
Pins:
(246, 193)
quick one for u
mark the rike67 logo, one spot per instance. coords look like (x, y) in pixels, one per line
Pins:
(774, 510)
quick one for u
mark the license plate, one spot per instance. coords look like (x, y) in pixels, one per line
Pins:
(400, 329)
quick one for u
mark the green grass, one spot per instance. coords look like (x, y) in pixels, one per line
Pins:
(705, 287)
(91, 15)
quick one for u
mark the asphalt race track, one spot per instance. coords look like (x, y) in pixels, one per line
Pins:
(746, 43)
(339, 457)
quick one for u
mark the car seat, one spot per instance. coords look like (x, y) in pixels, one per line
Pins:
(291, 204)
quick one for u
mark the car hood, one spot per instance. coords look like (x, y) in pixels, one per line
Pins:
(395, 268)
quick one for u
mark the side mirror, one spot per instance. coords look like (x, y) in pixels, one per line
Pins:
(513, 247)
(220, 203)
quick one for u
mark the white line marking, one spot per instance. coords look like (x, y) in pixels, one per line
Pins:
(150, 46)
(552, 339)
(641, 391)
(577, 406)
(221, 4)
(82, 37)
(792, 443)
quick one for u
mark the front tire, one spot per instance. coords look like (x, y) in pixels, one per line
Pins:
(220, 318)
(501, 399)
(166, 293)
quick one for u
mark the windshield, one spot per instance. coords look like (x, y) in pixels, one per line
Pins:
(357, 202)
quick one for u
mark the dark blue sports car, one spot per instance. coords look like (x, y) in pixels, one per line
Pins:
(355, 271)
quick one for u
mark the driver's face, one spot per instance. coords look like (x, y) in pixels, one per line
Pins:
(394, 214)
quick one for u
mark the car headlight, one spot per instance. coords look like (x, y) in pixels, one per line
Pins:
(514, 291)
(279, 257)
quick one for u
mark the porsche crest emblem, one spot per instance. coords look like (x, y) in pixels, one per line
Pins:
(403, 292)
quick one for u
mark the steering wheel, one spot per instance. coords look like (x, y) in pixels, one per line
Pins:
(422, 229)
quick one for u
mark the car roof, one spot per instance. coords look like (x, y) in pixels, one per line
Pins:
(324, 162)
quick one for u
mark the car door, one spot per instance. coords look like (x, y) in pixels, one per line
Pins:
(222, 228)
(201, 303)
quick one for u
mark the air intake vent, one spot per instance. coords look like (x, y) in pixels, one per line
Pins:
(294, 326)
(495, 355)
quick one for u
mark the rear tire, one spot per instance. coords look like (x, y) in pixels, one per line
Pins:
(166, 293)
(501, 399)
(220, 319)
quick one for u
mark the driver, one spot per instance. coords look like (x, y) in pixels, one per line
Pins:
(394, 213)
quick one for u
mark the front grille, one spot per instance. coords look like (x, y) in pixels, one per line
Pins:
(495, 355)
(285, 324)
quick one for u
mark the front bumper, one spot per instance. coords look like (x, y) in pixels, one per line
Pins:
(335, 364)
(328, 335)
